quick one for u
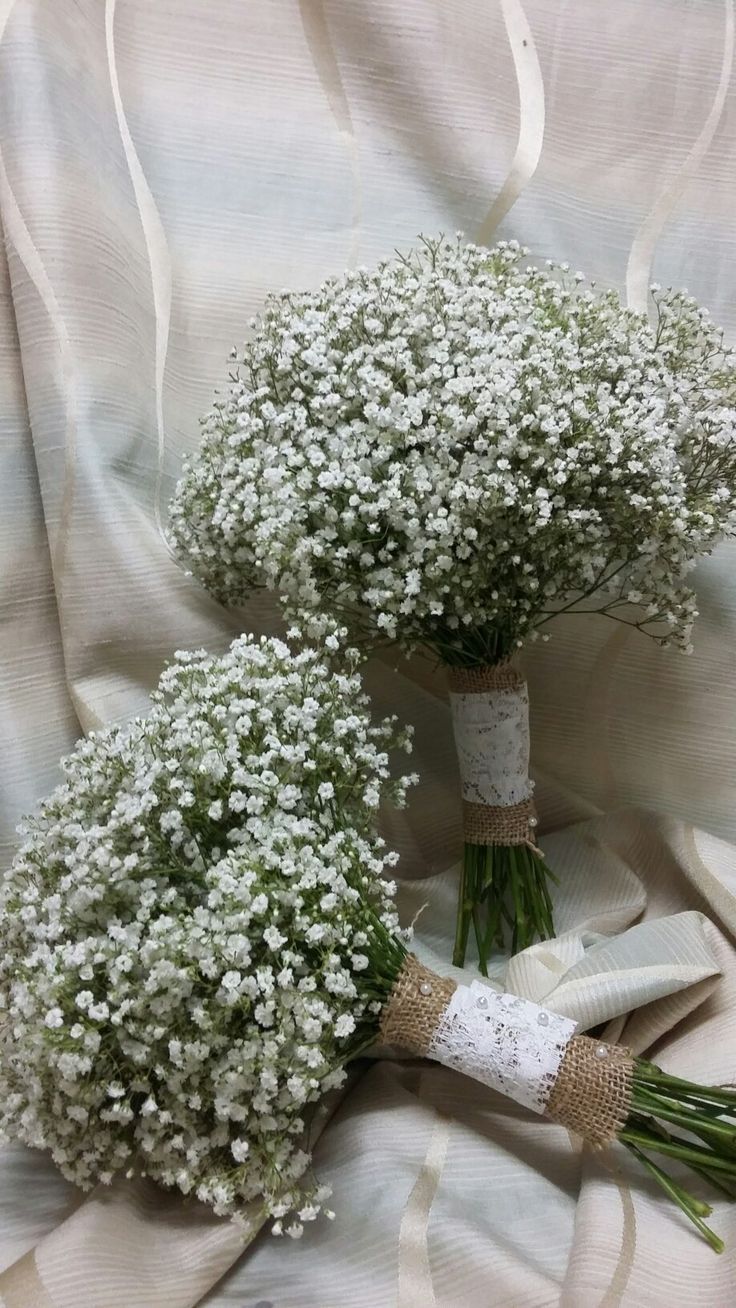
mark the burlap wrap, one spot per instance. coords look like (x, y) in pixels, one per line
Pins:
(592, 1093)
(410, 1017)
(490, 824)
(492, 676)
(486, 824)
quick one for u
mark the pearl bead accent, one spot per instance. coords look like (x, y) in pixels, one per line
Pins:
(601, 1052)
(425, 988)
(533, 822)
(481, 1001)
(543, 1019)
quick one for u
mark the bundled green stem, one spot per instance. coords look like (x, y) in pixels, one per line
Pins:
(704, 1137)
(503, 889)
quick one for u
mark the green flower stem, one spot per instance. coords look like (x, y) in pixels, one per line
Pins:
(650, 1074)
(676, 1148)
(464, 910)
(659, 1102)
(502, 884)
(693, 1209)
(705, 1126)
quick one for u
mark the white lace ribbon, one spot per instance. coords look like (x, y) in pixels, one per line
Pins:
(503, 1041)
(492, 738)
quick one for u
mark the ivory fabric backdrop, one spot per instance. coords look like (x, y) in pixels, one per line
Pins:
(163, 166)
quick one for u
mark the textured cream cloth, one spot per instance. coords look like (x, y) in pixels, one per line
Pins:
(162, 166)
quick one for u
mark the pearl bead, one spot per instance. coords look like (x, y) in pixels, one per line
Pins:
(543, 1019)
(601, 1052)
(425, 988)
(481, 1001)
(533, 822)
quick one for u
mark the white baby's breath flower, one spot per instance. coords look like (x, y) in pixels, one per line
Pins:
(345, 1025)
(182, 973)
(453, 446)
(273, 938)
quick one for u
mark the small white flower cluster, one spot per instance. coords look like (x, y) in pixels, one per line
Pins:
(454, 446)
(197, 933)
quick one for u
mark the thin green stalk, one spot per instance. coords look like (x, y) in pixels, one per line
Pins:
(477, 898)
(544, 875)
(502, 883)
(661, 1101)
(521, 925)
(684, 1116)
(693, 1209)
(650, 1073)
(462, 925)
(494, 921)
(686, 1153)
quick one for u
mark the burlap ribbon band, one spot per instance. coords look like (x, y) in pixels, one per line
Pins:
(493, 824)
(591, 1095)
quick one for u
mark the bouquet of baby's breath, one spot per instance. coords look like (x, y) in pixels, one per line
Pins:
(449, 451)
(196, 936)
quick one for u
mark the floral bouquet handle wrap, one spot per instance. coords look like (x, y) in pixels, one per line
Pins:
(502, 865)
(597, 1090)
(514, 1046)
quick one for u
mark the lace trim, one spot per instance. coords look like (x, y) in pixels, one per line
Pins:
(504, 1042)
(492, 739)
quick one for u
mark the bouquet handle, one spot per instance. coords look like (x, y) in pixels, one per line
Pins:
(597, 1090)
(504, 879)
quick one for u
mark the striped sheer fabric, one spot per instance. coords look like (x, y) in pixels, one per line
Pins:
(162, 166)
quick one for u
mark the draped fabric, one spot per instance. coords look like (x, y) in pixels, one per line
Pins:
(162, 167)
